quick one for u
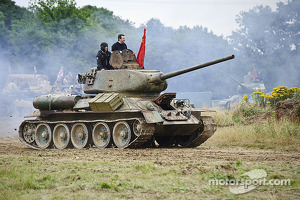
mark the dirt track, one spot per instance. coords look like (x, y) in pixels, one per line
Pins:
(188, 169)
(10, 145)
(13, 147)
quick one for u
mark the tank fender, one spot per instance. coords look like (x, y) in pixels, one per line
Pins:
(152, 117)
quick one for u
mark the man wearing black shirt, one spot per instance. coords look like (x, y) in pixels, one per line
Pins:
(120, 45)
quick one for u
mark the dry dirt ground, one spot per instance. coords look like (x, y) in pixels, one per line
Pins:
(162, 156)
(167, 173)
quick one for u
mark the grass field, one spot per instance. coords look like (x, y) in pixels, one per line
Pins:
(158, 173)
(142, 173)
(256, 132)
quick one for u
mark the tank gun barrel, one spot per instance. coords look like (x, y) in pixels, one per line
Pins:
(235, 80)
(189, 69)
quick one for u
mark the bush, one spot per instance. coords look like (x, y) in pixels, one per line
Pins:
(278, 94)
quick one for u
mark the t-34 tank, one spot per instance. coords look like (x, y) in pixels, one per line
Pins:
(123, 108)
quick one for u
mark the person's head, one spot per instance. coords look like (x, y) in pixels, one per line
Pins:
(121, 38)
(104, 46)
(249, 73)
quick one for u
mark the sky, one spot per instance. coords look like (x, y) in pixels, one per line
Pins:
(216, 15)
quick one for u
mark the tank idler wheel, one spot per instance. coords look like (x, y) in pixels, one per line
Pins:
(61, 136)
(121, 134)
(79, 135)
(101, 135)
(28, 132)
(43, 136)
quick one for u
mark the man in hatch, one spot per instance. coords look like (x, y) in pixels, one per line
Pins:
(103, 57)
(120, 45)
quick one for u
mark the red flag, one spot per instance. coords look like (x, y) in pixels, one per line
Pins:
(254, 73)
(141, 55)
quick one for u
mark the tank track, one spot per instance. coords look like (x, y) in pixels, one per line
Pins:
(27, 132)
(199, 136)
(146, 136)
(140, 138)
(209, 128)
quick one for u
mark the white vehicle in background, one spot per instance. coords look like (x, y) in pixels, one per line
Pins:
(18, 92)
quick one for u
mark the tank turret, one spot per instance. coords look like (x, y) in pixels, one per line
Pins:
(134, 82)
(248, 87)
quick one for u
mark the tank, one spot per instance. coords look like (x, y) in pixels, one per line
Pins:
(121, 108)
(248, 86)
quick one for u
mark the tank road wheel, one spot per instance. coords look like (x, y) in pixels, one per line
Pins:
(79, 135)
(43, 136)
(28, 132)
(101, 135)
(137, 127)
(61, 136)
(121, 134)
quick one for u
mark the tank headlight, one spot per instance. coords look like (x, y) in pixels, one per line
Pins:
(149, 106)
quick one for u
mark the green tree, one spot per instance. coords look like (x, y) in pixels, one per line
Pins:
(59, 14)
(9, 12)
(12, 12)
(3, 31)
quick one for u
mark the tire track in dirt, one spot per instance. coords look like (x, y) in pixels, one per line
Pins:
(168, 156)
